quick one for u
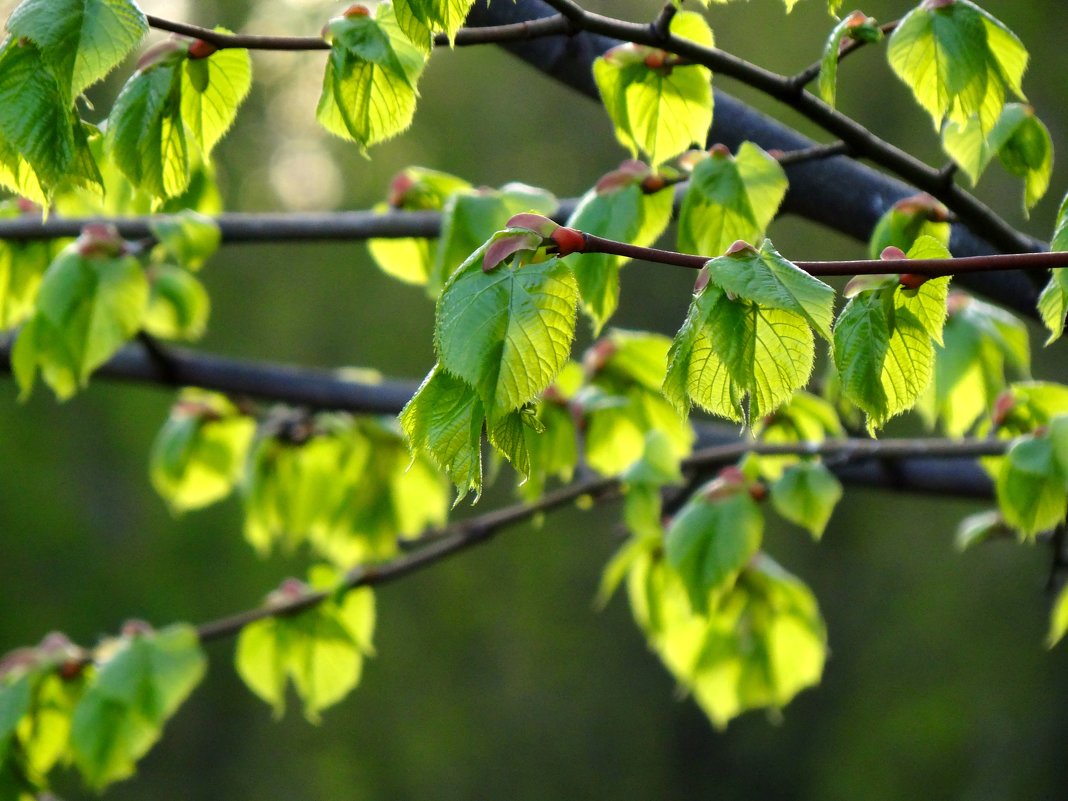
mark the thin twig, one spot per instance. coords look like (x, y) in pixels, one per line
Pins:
(520, 31)
(810, 73)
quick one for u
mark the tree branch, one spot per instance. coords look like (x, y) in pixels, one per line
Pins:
(512, 32)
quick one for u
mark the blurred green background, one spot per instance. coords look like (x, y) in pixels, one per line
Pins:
(494, 676)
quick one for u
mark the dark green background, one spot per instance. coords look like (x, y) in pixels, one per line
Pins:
(494, 676)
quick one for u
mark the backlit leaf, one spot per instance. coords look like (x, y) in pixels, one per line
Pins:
(856, 26)
(1032, 486)
(806, 494)
(662, 109)
(958, 60)
(507, 333)
(201, 451)
(906, 221)
(420, 19)
(140, 686)
(178, 304)
(212, 89)
(730, 198)
(369, 88)
(81, 40)
(87, 308)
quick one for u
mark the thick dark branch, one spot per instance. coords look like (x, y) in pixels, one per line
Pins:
(298, 386)
(511, 32)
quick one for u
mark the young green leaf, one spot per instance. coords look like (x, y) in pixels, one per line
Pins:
(1019, 139)
(22, 265)
(748, 333)
(806, 494)
(200, 453)
(421, 19)
(657, 107)
(1053, 302)
(444, 420)
(178, 304)
(212, 89)
(321, 650)
(42, 142)
(982, 344)
(507, 333)
(730, 198)
(88, 306)
(857, 27)
(139, 686)
(763, 645)
(958, 61)
(470, 218)
(369, 88)
(620, 211)
(146, 136)
(188, 237)
(712, 538)
(884, 342)
(81, 40)
(416, 189)
(906, 221)
(1058, 618)
(1032, 486)
(979, 528)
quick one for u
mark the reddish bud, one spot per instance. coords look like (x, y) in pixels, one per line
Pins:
(568, 241)
(291, 587)
(912, 280)
(159, 52)
(856, 19)
(27, 206)
(356, 10)
(399, 187)
(892, 254)
(201, 49)
(719, 149)
(537, 223)
(595, 358)
(1005, 403)
(740, 246)
(506, 246)
(703, 277)
(654, 183)
(758, 491)
(776, 153)
(135, 628)
(957, 302)
(923, 205)
(100, 240)
(655, 60)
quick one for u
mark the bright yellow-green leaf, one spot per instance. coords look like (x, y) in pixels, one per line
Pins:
(1032, 486)
(958, 60)
(140, 685)
(201, 451)
(806, 494)
(212, 88)
(82, 40)
(1058, 618)
(321, 650)
(730, 198)
(906, 221)
(658, 108)
(178, 305)
(856, 26)
(508, 332)
(420, 19)
(87, 308)
(369, 88)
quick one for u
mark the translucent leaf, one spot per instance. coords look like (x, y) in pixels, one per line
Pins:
(982, 344)
(321, 650)
(730, 198)
(710, 540)
(416, 189)
(41, 142)
(958, 60)
(749, 337)
(506, 333)
(369, 88)
(420, 19)
(884, 343)
(806, 494)
(146, 136)
(856, 26)
(470, 218)
(188, 237)
(979, 528)
(87, 308)
(906, 221)
(1032, 486)
(212, 89)
(806, 418)
(1058, 618)
(552, 452)
(22, 265)
(625, 213)
(657, 108)
(178, 305)
(81, 40)
(444, 419)
(201, 451)
(121, 714)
